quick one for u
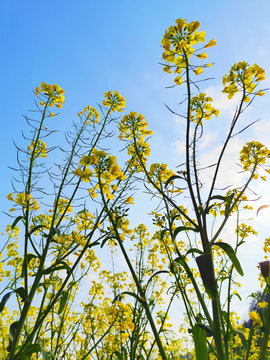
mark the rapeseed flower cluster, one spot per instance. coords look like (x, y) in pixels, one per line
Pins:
(201, 108)
(122, 224)
(25, 200)
(37, 149)
(114, 101)
(159, 173)
(243, 77)
(84, 221)
(133, 128)
(63, 205)
(253, 155)
(244, 231)
(53, 93)
(90, 114)
(105, 170)
(178, 44)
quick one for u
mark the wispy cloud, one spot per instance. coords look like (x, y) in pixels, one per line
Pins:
(179, 147)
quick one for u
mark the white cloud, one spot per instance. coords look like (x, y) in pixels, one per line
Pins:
(229, 173)
(179, 147)
(207, 140)
(179, 120)
(262, 131)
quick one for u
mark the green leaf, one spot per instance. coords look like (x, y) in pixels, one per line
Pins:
(29, 257)
(243, 339)
(45, 354)
(21, 292)
(162, 234)
(200, 342)
(4, 300)
(228, 202)
(179, 260)
(29, 350)
(231, 254)
(141, 357)
(208, 331)
(37, 228)
(56, 267)
(128, 293)
(171, 178)
(218, 197)
(106, 239)
(118, 354)
(16, 221)
(176, 216)
(64, 266)
(227, 320)
(63, 301)
(226, 199)
(12, 330)
(183, 228)
(156, 273)
(194, 250)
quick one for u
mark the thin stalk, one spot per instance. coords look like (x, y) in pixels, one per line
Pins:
(235, 119)
(205, 242)
(232, 207)
(43, 257)
(158, 189)
(135, 278)
(27, 193)
(57, 296)
(266, 326)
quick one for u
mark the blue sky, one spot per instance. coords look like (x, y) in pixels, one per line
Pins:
(88, 47)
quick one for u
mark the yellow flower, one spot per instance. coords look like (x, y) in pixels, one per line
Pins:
(10, 196)
(129, 200)
(37, 91)
(85, 160)
(53, 93)
(167, 69)
(109, 196)
(255, 317)
(92, 193)
(114, 101)
(198, 71)
(262, 304)
(211, 43)
(202, 55)
(90, 114)
(178, 80)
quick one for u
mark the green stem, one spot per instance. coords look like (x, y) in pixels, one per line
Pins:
(217, 330)
(45, 251)
(266, 326)
(135, 278)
